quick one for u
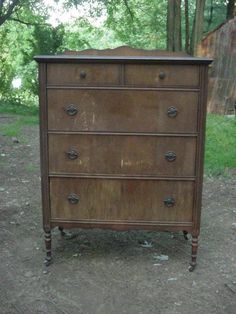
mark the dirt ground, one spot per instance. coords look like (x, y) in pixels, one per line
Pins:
(107, 272)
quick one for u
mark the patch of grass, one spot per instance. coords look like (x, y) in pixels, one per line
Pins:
(14, 128)
(220, 150)
(15, 108)
(31, 167)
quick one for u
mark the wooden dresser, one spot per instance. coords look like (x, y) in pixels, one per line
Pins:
(122, 141)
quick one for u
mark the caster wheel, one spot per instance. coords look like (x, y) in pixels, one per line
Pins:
(185, 234)
(62, 231)
(191, 268)
(47, 262)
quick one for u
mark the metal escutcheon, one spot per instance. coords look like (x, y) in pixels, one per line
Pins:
(82, 74)
(169, 201)
(170, 156)
(162, 75)
(172, 112)
(73, 198)
(72, 154)
(71, 110)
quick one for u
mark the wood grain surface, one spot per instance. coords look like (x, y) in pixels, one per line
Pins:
(131, 155)
(109, 199)
(123, 110)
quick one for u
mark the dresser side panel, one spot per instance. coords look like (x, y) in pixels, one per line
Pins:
(200, 149)
(44, 146)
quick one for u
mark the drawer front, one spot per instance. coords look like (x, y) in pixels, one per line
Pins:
(161, 75)
(123, 200)
(131, 155)
(83, 74)
(122, 111)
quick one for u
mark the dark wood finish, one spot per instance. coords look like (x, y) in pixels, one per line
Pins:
(127, 51)
(83, 74)
(131, 155)
(123, 225)
(161, 75)
(194, 252)
(123, 54)
(122, 141)
(48, 244)
(43, 147)
(121, 200)
(200, 150)
(123, 110)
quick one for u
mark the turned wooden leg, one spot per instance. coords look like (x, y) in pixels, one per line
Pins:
(48, 242)
(194, 252)
(61, 229)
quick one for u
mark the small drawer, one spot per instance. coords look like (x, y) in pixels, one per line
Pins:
(122, 155)
(122, 111)
(121, 200)
(83, 74)
(161, 75)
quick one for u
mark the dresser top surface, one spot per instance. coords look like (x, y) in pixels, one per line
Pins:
(117, 59)
(122, 54)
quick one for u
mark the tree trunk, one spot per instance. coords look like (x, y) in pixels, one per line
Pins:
(197, 25)
(230, 9)
(174, 25)
(210, 18)
(186, 13)
(177, 29)
(170, 25)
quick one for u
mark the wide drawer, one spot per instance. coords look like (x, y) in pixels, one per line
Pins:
(122, 154)
(122, 110)
(112, 199)
(83, 74)
(162, 75)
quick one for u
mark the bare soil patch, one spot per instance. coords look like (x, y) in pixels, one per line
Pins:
(106, 272)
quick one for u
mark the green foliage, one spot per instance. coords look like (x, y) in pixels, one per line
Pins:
(138, 23)
(30, 167)
(82, 35)
(220, 152)
(141, 24)
(18, 108)
(20, 41)
(215, 14)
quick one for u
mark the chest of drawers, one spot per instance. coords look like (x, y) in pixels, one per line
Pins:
(122, 140)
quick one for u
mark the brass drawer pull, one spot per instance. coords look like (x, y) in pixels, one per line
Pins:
(172, 112)
(72, 154)
(170, 156)
(71, 110)
(162, 75)
(169, 201)
(82, 74)
(73, 198)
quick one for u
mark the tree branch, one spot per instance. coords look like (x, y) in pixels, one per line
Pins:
(186, 13)
(1, 6)
(230, 9)
(9, 11)
(129, 10)
(27, 23)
